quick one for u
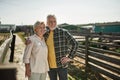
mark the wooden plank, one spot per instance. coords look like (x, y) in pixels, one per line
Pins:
(80, 50)
(104, 57)
(100, 43)
(96, 69)
(81, 46)
(105, 65)
(81, 56)
(8, 74)
(104, 51)
(8, 71)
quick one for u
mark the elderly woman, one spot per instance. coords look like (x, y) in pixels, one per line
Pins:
(35, 54)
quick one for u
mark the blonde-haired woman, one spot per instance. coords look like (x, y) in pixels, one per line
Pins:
(35, 54)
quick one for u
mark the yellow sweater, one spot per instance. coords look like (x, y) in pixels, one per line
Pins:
(51, 51)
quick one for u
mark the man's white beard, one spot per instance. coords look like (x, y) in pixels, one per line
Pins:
(52, 28)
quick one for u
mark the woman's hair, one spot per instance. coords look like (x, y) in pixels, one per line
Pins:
(36, 25)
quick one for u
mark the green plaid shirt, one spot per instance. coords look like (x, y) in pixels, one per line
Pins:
(64, 44)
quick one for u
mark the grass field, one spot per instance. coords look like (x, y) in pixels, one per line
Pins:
(3, 37)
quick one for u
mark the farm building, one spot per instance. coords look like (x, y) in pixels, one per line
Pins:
(7, 27)
(107, 27)
(101, 27)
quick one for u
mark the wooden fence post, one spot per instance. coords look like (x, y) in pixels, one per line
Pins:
(86, 55)
(12, 48)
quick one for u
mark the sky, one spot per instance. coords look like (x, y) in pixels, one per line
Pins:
(27, 12)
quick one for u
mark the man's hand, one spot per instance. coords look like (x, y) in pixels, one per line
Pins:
(65, 60)
(28, 41)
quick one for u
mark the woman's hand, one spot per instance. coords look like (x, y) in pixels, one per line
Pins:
(27, 70)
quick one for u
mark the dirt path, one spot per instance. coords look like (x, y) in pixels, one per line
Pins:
(19, 49)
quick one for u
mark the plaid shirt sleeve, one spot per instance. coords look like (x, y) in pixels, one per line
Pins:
(73, 43)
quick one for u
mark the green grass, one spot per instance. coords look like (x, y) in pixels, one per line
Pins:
(22, 36)
(1, 41)
(70, 77)
(3, 37)
(76, 72)
(118, 50)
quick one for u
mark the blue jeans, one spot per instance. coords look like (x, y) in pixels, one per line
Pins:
(61, 72)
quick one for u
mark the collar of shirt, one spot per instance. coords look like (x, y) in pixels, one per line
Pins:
(38, 37)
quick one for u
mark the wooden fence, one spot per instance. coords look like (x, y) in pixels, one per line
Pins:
(101, 52)
(7, 41)
(7, 72)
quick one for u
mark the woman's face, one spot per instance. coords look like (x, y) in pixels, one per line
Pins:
(40, 29)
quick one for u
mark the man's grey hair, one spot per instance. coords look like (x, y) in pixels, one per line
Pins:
(51, 15)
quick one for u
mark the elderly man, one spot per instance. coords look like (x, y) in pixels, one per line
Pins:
(58, 40)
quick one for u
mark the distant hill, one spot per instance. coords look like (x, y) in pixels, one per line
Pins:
(68, 26)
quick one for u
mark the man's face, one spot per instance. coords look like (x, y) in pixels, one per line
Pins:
(51, 22)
